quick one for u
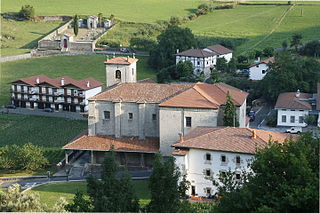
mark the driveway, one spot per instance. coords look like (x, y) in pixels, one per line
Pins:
(26, 111)
(260, 115)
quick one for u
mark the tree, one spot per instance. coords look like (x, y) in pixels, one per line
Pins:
(215, 76)
(311, 48)
(184, 70)
(79, 204)
(268, 51)
(285, 179)
(174, 21)
(169, 41)
(242, 59)
(257, 53)
(75, 25)
(27, 12)
(310, 119)
(221, 64)
(284, 45)
(232, 66)
(164, 186)
(183, 186)
(229, 116)
(112, 194)
(100, 16)
(296, 41)
(60, 205)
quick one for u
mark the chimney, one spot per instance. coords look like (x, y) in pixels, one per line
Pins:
(298, 93)
(181, 138)
(37, 80)
(114, 55)
(62, 81)
(177, 50)
(88, 83)
(133, 55)
(254, 134)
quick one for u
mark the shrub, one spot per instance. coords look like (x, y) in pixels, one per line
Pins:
(225, 6)
(268, 51)
(27, 12)
(312, 48)
(174, 20)
(272, 119)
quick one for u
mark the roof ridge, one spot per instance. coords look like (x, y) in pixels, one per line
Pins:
(219, 129)
(205, 95)
(218, 86)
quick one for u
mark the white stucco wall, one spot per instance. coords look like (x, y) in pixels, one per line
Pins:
(195, 165)
(173, 122)
(256, 72)
(199, 64)
(128, 73)
(288, 113)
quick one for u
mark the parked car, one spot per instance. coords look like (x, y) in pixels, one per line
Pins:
(294, 130)
(48, 109)
(252, 115)
(124, 50)
(10, 106)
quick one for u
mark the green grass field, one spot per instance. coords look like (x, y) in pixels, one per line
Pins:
(143, 11)
(19, 37)
(252, 23)
(50, 193)
(77, 67)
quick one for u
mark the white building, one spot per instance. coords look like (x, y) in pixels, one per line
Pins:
(204, 60)
(292, 107)
(207, 152)
(258, 70)
(63, 93)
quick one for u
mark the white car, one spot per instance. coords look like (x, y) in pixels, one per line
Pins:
(294, 130)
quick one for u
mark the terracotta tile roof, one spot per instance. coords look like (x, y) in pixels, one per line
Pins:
(196, 53)
(318, 96)
(203, 95)
(56, 82)
(266, 61)
(229, 139)
(121, 60)
(219, 49)
(288, 100)
(146, 80)
(141, 92)
(105, 143)
(180, 152)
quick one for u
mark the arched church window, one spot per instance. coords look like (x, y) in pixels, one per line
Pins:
(118, 74)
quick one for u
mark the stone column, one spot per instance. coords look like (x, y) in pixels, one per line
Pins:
(66, 156)
(141, 124)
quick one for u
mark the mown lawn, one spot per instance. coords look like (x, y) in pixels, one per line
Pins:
(77, 67)
(143, 11)
(19, 37)
(50, 193)
(252, 23)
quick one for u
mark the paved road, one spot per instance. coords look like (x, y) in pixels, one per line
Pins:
(261, 113)
(26, 111)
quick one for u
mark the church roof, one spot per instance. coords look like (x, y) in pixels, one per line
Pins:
(121, 60)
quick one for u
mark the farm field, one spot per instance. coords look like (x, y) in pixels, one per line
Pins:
(254, 22)
(77, 67)
(143, 11)
(19, 37)
(50, 193)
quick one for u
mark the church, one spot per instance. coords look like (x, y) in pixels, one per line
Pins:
(137, 119)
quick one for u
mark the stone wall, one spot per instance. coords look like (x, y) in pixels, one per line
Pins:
(81, 46)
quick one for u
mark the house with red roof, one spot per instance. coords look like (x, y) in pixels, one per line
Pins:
(258, 70)
(60, 94)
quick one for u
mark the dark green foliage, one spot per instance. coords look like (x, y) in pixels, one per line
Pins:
(311, 48)
(232, 66)
(272, 119)
(26, 157)
(310, 119)
(79, 204)
(268, 51)
(216, 76)
(183, 186)
(285, 179)
(27, 12)
(169, 41)
(164, 186)
(142, 43)
(174, 21)
(222, 64)
(284, 45)
(112, 194)
(257, 53)
(296, 41)
(75, 25)
(288, 74)
(229, 116)
(225, 6)
(183, 71)
(242, 59)
(197, 207)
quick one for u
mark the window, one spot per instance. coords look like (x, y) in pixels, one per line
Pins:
(257, 66)
(284, 118)
(118, 74)
(238, 160)
(301, 119)
(238, 176)
(132, 71)
(208, 172)
(263, 71)
(130, 115)
(106, 115)
(292, 119)
(207, 62)
(188, 121)
(223, 158)
(292, 110)
(198, 62)
(154, 117)
(208, 190)
(284, 110)
(208, 156)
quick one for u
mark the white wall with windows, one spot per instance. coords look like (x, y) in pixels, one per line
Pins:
(258, 71)
(291, 117)
(201, 165)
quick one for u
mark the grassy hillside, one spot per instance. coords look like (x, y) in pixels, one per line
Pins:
(144, 11)
(253, 24)
(50, 193)
(19, 37)
(77, 67)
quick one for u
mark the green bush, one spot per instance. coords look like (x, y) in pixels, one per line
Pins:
(27, 12)
(225, 6)
(272, 119)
